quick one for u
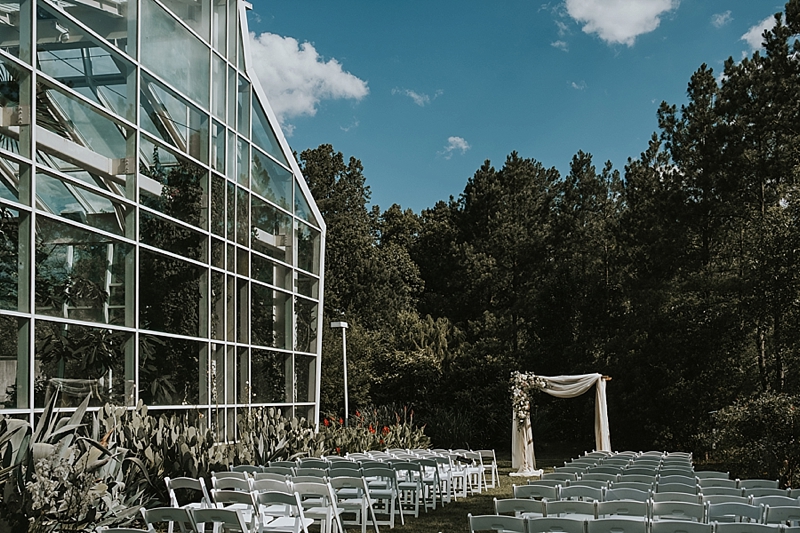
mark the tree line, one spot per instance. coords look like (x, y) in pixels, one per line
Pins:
(677, 277)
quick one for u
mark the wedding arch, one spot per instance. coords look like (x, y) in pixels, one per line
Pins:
(522, 385)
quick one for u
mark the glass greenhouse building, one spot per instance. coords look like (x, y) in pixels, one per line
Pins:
(157, 240)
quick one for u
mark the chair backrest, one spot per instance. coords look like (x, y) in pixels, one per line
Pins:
(269, 475)
(227, 519)
(732, 512)
(317, 472)
(279, 469)
(673, 470)
(760, 492)
(341, 468)
(536, 492)
(615, 493)
(637, 478)
(717, 482)
(677, 487)
(644, 487)
(581, 492)
(688, 497)
(757, 483)
(593, 483)
(230, 483)
(547, 482)
(313, 462)
(577, 469)
(169, 515)
(263, 485)
(407, 471)
(775, 501)
(616, 525)
(722, 498)
(627, 508)
(285, 464)
(229, 474)
(604, 469)
(569, 507)
(187, 490)
(357, 485)
(290, 501)
(706, 474)
(249, 469)
(598, 476)
(322, 491)
(496, 523)
(745, 527)
(560, 476)
(680, 526)
(557, 524)
(788, 514)
(677, 510)
(518, 506)
(686, 480)
(225, 498)
(640, 470)
(721, 491)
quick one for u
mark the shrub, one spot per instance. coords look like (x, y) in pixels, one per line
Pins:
(372, 430)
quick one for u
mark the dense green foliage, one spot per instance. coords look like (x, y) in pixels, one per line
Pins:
(677, 277)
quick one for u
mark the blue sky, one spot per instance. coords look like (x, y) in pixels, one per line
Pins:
(423, 92)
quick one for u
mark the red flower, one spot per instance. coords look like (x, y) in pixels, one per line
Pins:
(381, 441)
(338, 450)
(385, 430)
(358, 414)
(341, 420)
(326, 422)
(371, 429)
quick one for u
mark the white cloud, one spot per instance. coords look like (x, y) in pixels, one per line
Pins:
(454, 144)
(421, 99)
(561, 45)
(563, 29)
(619, 21)
(721, 19)
(753, 37)
(296, 78)
(579, 86)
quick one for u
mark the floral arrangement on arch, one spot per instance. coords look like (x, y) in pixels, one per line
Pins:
(522, 385)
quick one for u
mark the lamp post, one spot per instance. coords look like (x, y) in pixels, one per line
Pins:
(344, 326)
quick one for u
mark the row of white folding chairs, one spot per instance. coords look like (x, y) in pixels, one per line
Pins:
(512, 524)
(695, 511)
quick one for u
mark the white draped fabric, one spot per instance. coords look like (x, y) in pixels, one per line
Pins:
(522, 455)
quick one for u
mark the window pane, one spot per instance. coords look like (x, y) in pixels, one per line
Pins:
(217, 205)
(271, 180)
(242, 216)
(307, 285)
(80, 274)
(217, 305)
(269, 376)
(9, 31)
(9, 339)
(243, 107)
(172, 185)
(219, 23)
(196, 14)
(271, 230)
(308, 247)
(186, 66)
(305, 368)
(272, 317)
(267, 271)
(172, 237)
(171, 293)
(9, 258)
(76, 360)
(263, 134)
(306, 325)
(169, 370)
(111, 22)
(242, 157)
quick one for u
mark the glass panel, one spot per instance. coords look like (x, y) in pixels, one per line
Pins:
(76, 360)
(12, 79)
(80, 274)
(243, 387)
(270, 272)
(217, 375)
(305, 368)
(87, 132)
(186, 66)
(9, 177)
(218, 147)
(242, 216)
(217, 253)
(233, 17)
(307, 313)
(242, 157)
(172, 185)
(81, 205)
(308, 247)
(217, 205)
(218, 26)
(174, 120)
(169, 370)
(271, 317)
(231, 260)
(231, 212)
(271, 231)
(171, 294)
(301, 207)
(111, 21)
(9, 29)
(218, 90)
(172, 237)
(9, 259)
(84, 64)
(232, 96)
(230, 308)
(231, 167)
(240, 55)
(271, 180)
(217, 305)
(9, 339)
(269, 376)
(242, 262)
(242, 310)
(243, 107)
(264, 135)
(307, 285)
(196, 14)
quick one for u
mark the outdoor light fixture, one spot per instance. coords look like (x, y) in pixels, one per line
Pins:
(343, 326)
